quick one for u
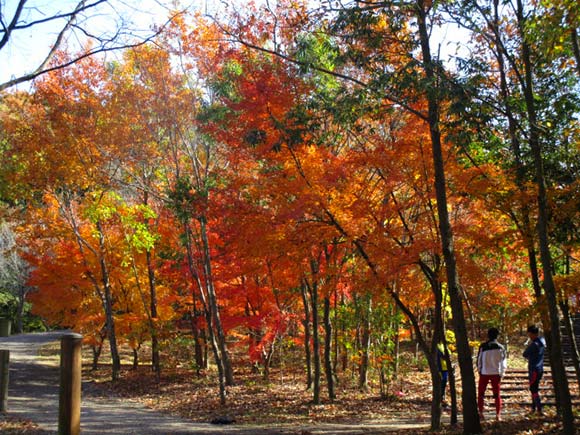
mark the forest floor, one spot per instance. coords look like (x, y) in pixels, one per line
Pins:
(283, 401)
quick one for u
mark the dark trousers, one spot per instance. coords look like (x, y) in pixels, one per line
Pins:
(444, 377)
(535, 376)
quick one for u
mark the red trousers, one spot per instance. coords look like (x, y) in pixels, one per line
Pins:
(495, 387)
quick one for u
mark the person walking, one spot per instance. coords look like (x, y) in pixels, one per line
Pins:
(491, 365)
(534, 353)
(443, 372)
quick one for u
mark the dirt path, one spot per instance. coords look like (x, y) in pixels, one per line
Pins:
(33, 395)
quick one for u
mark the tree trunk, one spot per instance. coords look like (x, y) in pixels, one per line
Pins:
(108, 306)
(155, 362)
(363, 381)
(576, 48)
(199, 350)
(213, 305)
(307, 337)
(218, 357)
(96, 350)
(525, 227)
(327, 349)
(209, 318)
(135, 358)
(397, 339)
(558, 374)
(267, 358)
(569, 325)
(437, 337)
(436, 392)
(313, 289)
(336, 347)
(471, 421)
(452, 388)
(20, 309)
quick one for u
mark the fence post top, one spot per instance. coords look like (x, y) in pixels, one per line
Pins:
(71, 335)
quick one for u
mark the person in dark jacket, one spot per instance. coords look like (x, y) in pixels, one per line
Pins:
(491, 365)
(534, 353)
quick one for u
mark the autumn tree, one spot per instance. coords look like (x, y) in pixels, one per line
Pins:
(537, 111)
(69, 182)
(14, 272)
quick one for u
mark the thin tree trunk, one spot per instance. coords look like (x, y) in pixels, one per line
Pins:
(450, 371)
(397, 339)
(576, 48)
(569, 325)
(471, 421)
(20, 309)
(307, 337)
(209, 318)
(336, 355)
(313, 290)
(96, 350)
(104, 293)
(437, 337)
(268, 360)
(199, 350)
(363, 380)
(135, 358)
(328, 349)
(108, 306)
(213, 305)
(452, 388)
(155, 361)
(558, 374)
(218, 357)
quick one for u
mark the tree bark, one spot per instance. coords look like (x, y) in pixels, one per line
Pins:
(313, 291)
(20, 309)
(155, 361)
(108, 306)
(471, 421)
(328, 349)
(199, 350)
(213, 305)
(437, 337)
(576, 48)
(363, 381)
(307, 336)
(209, 318)
(558, 372)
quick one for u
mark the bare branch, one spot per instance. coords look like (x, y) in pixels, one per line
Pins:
(42, 69)
(60, 36)
(8, 30)
(81, 7)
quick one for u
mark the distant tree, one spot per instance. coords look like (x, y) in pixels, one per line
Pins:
(14, 272)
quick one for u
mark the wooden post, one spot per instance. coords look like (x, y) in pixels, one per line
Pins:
(4, 365)
(69, 412)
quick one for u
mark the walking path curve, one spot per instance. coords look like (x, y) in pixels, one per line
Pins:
(33, 395)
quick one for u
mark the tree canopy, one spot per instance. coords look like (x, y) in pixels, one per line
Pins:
(316, 175)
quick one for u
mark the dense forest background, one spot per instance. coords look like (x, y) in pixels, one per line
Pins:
(305, 176)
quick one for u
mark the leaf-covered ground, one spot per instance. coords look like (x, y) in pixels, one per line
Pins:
(252, 400)
(284, 399)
